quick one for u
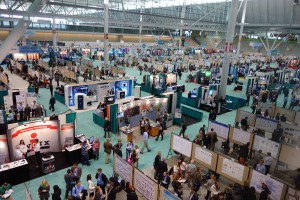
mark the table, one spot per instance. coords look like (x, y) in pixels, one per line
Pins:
(48, 164)
(154, 130)
(73, 154)
(127, 132)
(15, 172)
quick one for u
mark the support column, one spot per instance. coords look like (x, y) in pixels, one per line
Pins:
(20, 29)
(228, 47)
(54, 36)
(106, 33)
(241, 28)
(140, 32)
(180, 39)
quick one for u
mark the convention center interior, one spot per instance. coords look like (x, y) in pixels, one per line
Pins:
(149, 99)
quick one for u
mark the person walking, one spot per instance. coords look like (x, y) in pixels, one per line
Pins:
(213, 139)
(96, 148)
(107, 149)
(183, 128)
(106, 128)
(146, 137)
(102, 180)
(160, 131)
(51, 103)
(51, 89)
(27, 111)
(84, 154)
(155, 163)
(268, 162)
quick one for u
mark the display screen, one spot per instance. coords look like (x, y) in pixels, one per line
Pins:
(120, 114)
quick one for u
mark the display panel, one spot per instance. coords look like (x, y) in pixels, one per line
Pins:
(144, 185)
(181, 145)
(123, 169)
(4, 153)
(266, 124)
(266, 145)
(221, 129)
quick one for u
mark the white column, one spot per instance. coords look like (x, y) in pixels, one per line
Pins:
(228, 46)
(241, 28)
(180, 39)
(54, 36)
(106, 33)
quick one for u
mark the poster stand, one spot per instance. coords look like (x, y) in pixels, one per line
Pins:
(170, 152)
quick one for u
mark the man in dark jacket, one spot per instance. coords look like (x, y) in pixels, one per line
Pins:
(161, 168)
(51, 89)
(70, 182)
(101, 180)
(51, 103)
(156, 161)
(106, 128)
(27, 111)
(183, 128)
(112, 191)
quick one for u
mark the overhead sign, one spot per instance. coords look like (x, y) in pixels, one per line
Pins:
(30, 49)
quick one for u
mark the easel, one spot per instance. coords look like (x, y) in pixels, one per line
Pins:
(170, 153)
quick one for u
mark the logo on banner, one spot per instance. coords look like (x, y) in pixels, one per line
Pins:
(44, 144)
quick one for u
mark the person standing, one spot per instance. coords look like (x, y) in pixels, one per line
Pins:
(84, 153)
(77, 190)
(51, 103)
(293, 102)
(112, 191)
(107, 149)
(51, 89)
(213, 139)
(129, 148)
(248, 98)
(96, 148)
(161, 168)
(146, 137)
(101, 180)
(37, 151)
(70, 182)
(165, 180)
(36, 90)
(43, 190)
(27, 112)
(183, 128)
(20, 109)
(56, 193)
(117, 148)
(106, 128)
(285, 101)
(160, 131)
(76, 170)
(260, 167)
(155, 163)
(190, 172)
(23, 148)
(137, 151)
(33, 106)
(91, 186)
(193, 194)
(268, 162)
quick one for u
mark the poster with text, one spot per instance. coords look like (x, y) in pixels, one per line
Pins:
(123, 168)
(46, 132)
(233, 169)
(66, 135)
(274, 186)
(203, 155)
(144, 185)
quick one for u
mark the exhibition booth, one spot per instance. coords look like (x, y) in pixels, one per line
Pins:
(55, 134)
(109, 92)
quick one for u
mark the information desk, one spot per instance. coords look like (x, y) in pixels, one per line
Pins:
(154, 129)
(60, 97)
(15, 172)
(80, 138)
(73, 154)
(127, 134)
(48, 164)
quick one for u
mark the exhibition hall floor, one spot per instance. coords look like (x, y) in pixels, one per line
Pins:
(86, 126)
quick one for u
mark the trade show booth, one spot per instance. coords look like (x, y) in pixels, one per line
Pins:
(109, 92)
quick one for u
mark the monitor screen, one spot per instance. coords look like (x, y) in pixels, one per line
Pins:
(91, 140)
(120, 115)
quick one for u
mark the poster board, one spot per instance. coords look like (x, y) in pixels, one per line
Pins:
(291, 131)
(8, 102)
(145, 186)
(288, 155)
(266, 124)
(205, 157)
(278, 189)
(297, 118)
(266, 145)
(181, 145)
(240, 114)
(240, 137)
(123, 168)
(232, 170)
(220, 128)
(290, 114)
(165, 194)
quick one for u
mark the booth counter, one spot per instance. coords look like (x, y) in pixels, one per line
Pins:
(73, 154)
(17, 169)
(59, 97)
(234, 102)
(97, 119)
(154, 129)
(127, 134)
(192, 112)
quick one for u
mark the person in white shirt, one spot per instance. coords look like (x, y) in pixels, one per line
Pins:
(18, 153)
(268, 162)
(215, 189)
(37, 150)
(137, 151)
(146, 137)
(33, 106)
(20, 109)
(91, 187)
(23, 148)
